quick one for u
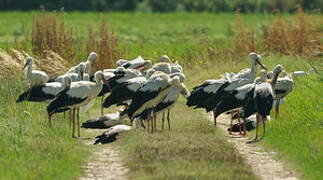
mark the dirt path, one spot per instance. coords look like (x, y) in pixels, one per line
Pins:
(264, 164)
(106, 164)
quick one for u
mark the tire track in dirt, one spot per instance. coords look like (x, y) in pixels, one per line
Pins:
(263, 163)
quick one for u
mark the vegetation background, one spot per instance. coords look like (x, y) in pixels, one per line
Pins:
(246, 6)
(207, 37)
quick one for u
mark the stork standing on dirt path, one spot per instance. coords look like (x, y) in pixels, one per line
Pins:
(78, 94)
(238, 98)
(210, 92)
(35, 77)
(263, 99)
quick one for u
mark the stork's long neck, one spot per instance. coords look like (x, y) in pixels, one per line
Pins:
(274, 80)
(253, 68)
(89, 67)
(29, 70)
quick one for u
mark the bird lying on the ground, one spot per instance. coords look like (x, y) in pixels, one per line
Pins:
(103, 122)
(111, 134)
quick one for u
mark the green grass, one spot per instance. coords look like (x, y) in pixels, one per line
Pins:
(193, 149)
(29, 149)
(298, 133)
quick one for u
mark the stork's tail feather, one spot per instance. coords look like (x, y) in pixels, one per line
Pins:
(105, 139)
(23, 96)
(250, 125)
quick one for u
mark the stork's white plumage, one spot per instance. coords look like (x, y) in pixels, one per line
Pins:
(163, 67)
(151, 93)
(124, 92)
(111, 134)
(75, 76)
(88, 64)
(78, 94)
(35, 77)
(45, 92)
(139, 63)
(210, 92)
(167, 103)
(176, 67)
(263, 98)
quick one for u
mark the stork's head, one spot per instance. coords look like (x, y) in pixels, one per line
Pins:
(81, 69)
(269, 75)
(176, 67)
(255, 59)
(278, 69)
(92, 57)
(284, 74)
(263, 75)
(29, 60)
(164, 58)
(99, 76)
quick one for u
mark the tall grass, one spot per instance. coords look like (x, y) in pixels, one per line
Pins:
(298, 132)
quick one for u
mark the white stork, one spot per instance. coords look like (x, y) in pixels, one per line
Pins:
(167, 103)
(284, 86)
(75, 76)
(103, 122)
(44, 92)
(210, 92)
(78, 94)
(238, 98)
(111, 134)
(88, 64)
(124, 92)
(263, 97)
(35, 77)
(150, 94)
(139, 63)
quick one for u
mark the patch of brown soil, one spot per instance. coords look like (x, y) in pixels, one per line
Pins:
(263, 163)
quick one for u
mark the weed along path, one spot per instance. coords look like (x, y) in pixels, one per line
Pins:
(106, 163)
(263, 163)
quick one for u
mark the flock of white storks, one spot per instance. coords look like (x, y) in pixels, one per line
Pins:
(144, 90)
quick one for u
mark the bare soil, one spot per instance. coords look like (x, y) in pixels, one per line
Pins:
(264, 163)
(106, 164)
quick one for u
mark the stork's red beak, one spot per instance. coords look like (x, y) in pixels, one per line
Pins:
(261, 65)
(25, 65)
(140, 66)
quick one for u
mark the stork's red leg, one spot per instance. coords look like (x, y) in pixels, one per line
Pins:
(70, 121)
(277, 109)
(73, 128)
(244, 127)
(78, 123)
(102, 105)
(214, 117)
(155, 119)
(168, 120)
(264, 125)
(163, 119)
(230, 131)
(257, 126)
(148, 122)
(239, 122)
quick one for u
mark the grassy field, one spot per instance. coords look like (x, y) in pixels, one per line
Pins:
(193, 149)
(29, 149)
